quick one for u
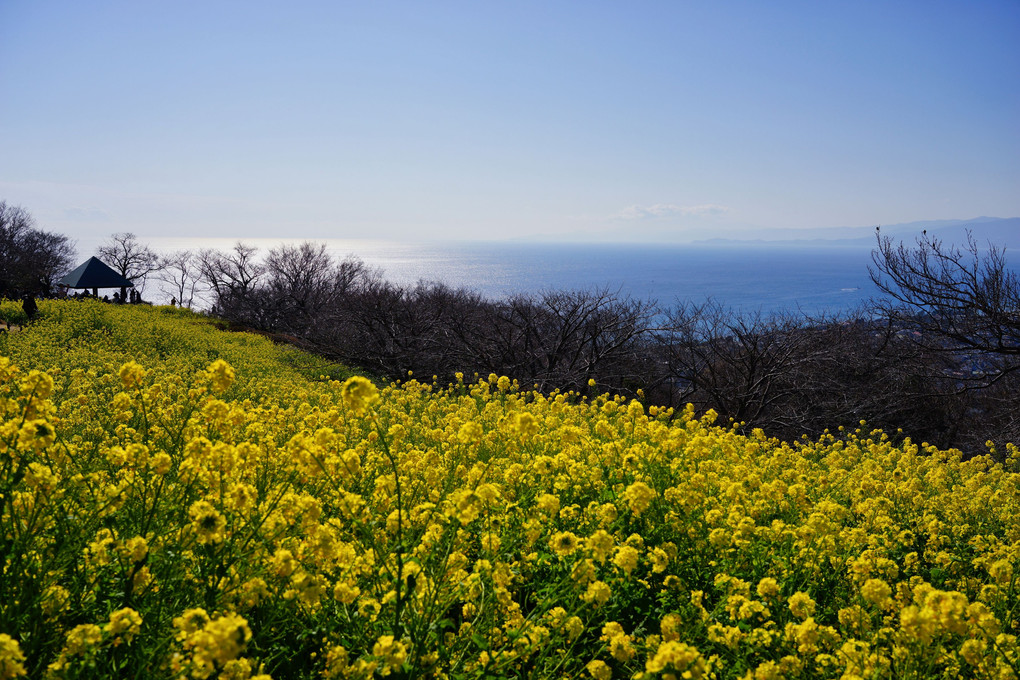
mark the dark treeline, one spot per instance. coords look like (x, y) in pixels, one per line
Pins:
(935, 358)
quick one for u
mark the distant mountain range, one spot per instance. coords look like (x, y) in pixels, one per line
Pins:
(998, 231)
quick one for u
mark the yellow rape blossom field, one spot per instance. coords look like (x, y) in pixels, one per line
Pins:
(181, 502)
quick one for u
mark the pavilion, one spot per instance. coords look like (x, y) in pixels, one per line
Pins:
(95, 274)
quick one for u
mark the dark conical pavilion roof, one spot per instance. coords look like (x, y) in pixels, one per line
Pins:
(94, 273)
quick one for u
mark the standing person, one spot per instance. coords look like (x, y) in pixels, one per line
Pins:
(29, 306)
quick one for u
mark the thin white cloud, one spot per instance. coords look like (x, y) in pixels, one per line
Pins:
(86, 214)
(659, 210)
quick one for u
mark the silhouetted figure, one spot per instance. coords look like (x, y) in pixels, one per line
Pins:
(173, 302)
(116, 298)
(29, 306)
(106, 298)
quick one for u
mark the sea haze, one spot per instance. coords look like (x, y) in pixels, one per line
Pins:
(808, 278)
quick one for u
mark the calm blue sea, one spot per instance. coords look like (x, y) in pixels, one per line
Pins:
(809, 278)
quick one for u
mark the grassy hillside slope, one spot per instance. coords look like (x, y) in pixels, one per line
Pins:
(183, 502)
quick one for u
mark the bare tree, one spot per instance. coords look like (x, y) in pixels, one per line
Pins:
(734, 364)
(182, 272)
(858, 366)
(304, 284)
(961, 302)
(31, 260)
(590, 335)
(392, 329)
(559, 339)
(233, 273)
(130, 258)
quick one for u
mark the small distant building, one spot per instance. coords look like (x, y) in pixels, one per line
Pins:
(94, 274)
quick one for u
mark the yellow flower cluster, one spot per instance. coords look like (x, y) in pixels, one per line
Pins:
(195, 504)
(12, 660)
(209, 645)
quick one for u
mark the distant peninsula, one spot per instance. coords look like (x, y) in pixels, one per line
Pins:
(1003, 232)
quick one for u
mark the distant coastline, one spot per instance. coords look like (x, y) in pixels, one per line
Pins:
(1003, 232)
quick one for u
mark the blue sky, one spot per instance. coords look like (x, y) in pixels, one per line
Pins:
(566, 120)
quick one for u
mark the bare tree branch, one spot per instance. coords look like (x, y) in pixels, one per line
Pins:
(958, 301)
